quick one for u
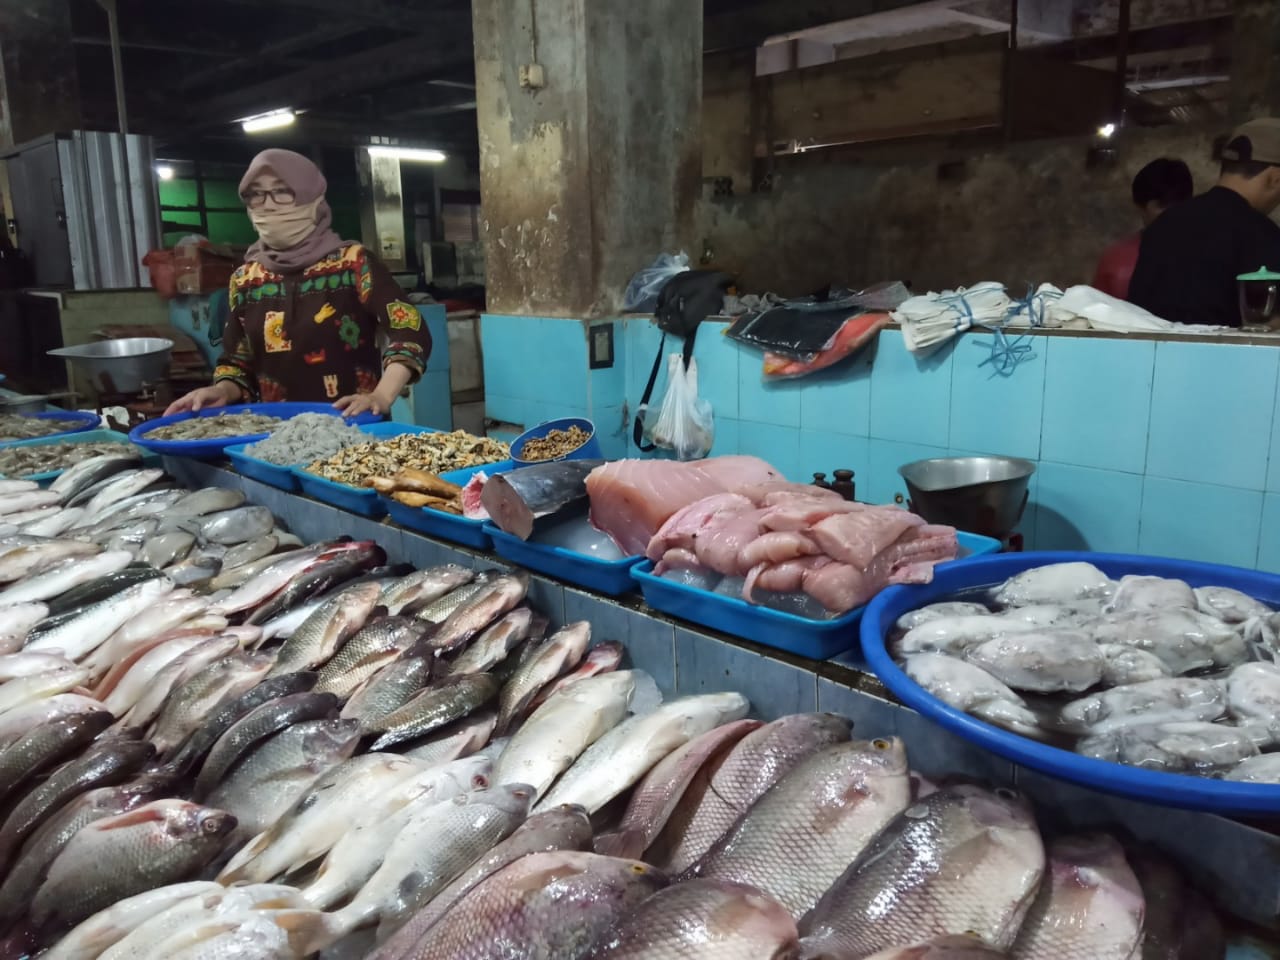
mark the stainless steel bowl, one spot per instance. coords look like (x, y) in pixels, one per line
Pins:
(28, 403)
(121, 366)
(983, 495)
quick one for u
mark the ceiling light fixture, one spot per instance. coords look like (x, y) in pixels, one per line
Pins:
(1107, 131)
(269, 121)
(164, 171)
(407, 153)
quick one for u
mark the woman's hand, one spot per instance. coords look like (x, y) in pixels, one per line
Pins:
(218, 395)
(375, 403)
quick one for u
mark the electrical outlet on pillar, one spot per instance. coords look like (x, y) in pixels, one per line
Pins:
(532, 76)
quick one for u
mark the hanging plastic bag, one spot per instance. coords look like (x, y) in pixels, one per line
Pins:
(642, 292)
(685, 424)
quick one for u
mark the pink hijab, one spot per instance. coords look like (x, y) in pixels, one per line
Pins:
(308, 184)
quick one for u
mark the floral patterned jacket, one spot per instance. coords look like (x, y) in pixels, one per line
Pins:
(314, 336)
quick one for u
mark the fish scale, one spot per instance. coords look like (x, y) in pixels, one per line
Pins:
(451, 699)
(387, 691)
(371, 648)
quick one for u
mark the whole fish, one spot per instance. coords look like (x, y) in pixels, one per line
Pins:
(168, 548)
(176, 672)
(186, 708)
(279, 769)
(387, 691)
(56, 524)
(360, 851)
(332, 624)
(1090, 905)
(107, 763)
(47, 744)
(28, 663)
(16, 723)
(375, 645)
(255, 726)
(195, 747)
(14, 503)
(432, 850)
(797, 839)
(552, 904)
(563, 828)
(449, 699)
(492, 646)
(706, 920)
(961, 860)
(116, 489)
(723, 792)
(93, 470)
(162, 842)
(18, 693)
(311, 827)
(68, 574)
(79, 636)
(498, 596)
(235, 577)
(101, 588)
(107, 927)
(556, 655)
(132, 537)
(329, 570)
(27, 561)
(199, 567)
(250, 550)
(415, 591)
(28, 871)
(283, 626)
(16, 622)
(627, 752)
(604, 657)
(942, 948)
(655, 797)
(24, 518)
(261, 584)
(208, 500)
(239, 525)
(440, 609)
(150, 503)
(455, 741)
(562, 728)
(117, 661)
(134, 683)
(9, 486)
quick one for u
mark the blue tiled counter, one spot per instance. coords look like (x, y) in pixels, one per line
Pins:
(1238, 862)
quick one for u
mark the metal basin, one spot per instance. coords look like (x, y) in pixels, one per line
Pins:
(984, 495)
(28, 403)
(121, 366)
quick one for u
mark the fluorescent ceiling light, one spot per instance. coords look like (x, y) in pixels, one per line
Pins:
(268, 121)
(164, 171)
(408, 153)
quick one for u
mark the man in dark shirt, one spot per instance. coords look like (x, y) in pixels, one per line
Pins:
(1157, 187)
(1192, 254)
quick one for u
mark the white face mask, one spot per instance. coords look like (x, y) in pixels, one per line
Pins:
(287, 227)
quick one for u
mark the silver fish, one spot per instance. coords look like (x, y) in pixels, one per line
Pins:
(237, 526)
(963, 860)
(14, 503)
(207, 500)
(333, 622)
(174, 674)
(387, 691)
(416, 591)
(86, 473)
(45, 745)
(440, 609)
(442, 703)
(376, 644)
(107, 927)
(81, 635)
(168, 548)
(492, 646)
(68, 574)
(118, 488)
(55, 525)
(29, 560)
(555, 656)
(16, 622)
(250, 550)
(498, 596)
(457, 740)
(186, 708)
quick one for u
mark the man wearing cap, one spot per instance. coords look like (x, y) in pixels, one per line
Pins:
(1192, 254)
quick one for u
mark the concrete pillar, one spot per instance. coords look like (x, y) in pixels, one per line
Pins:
(1255, 60)
(585, 178)
(39, 90)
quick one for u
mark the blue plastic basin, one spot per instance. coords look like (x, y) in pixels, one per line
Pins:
(447, 526)
(610, 577)
(588, 451)
(1168, 789)
(207, 449)
(362, 500)
(84, 421)
(82, 436)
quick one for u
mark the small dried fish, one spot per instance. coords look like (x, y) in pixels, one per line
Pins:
(216, 427)
(430, 452)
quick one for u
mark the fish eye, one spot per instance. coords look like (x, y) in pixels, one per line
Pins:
(880, 744)
(639, 869)
(1004, 793)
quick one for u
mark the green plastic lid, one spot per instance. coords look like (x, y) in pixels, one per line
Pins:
(1262, 274)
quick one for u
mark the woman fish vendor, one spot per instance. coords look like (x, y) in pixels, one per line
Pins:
(307, 308)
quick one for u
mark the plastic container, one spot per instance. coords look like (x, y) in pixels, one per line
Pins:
(362, 500)
(610, 577)
(590, 450)
(208, 449)
(447, 526)
(816, 639)
(272, 474)
(84, 421)
(85, 436)
(1166, 789)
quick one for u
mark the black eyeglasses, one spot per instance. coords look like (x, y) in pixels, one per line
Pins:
(281, 196)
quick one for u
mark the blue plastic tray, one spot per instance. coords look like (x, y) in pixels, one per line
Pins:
(816, 639)
(84, 436)
(362, 500)
(85, 421)
(1167, 789)
(273, 475)
(207, 449)
(447, 526)
(588, 451)
(611, 577)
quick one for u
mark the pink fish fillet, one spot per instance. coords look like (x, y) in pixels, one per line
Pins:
(632, 499)
(856, 538)
(783, 491)
(686, 523)
(721, 544)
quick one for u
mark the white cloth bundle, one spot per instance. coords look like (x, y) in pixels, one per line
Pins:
(1100, 311)
(937, 317)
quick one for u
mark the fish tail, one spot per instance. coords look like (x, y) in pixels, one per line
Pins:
(311, 931)
(626, 844)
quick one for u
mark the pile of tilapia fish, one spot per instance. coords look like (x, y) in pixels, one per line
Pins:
(1144, 671)
(313, 754)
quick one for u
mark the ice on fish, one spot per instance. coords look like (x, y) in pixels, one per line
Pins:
(968, 687)
(1175, 747)
(1045, 661)
(1137, 593)
(1054, 583)
(1253, 698)
(1154, 701)
(936, 611)
(1229, 605)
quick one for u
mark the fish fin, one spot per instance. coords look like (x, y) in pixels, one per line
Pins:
(646, 697)
(131, 819)
(309, 931)
(627, 844)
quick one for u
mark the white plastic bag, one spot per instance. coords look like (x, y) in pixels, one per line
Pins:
(642, 292)
(685, 424)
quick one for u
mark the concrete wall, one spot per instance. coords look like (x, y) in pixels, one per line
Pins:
(1021, 214)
